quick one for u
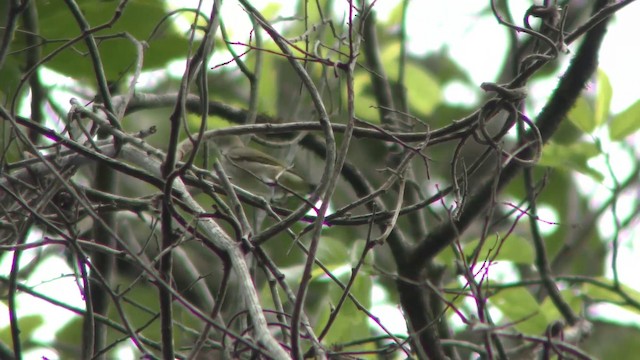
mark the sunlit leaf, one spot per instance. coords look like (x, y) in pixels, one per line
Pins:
(117, 54)
(351, 324)
(390, 56)
(365, 102)
(513, 248)
(333, 251)
(423, 90)
(609, 293)
(27, 325)
(582, 115)
(603, 98)
(625, 123)
(570, 297)
(333, 254)
(271, 10)
(445, 68)
(521, 309)
(395, 16)
(571, 157)
(567, 133)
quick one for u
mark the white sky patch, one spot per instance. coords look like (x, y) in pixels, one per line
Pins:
(614, 313)
(619, 57)
(477, 44)
(457, 92)
(548, 219)
(389, 315)
(50, 279)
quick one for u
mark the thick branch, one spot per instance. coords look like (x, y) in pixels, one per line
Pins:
(563, 98)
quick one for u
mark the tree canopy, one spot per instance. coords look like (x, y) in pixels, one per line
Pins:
(301, 188)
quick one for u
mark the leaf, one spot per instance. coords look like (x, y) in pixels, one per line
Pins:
(444, 68)
(395, 15)
(10, 75)
(550, 310)
(567, 133)
(571, 157)
(117, 54)
(68, 336)
(521, 309)
(365, 102)
(603, 98)
(351, 324)
(271, 10)
(610, 340)
(333, 252)
(625, 123)
(582, 116)
(336, 255)
(390, 56)
(514, 248)
(607, 293)
(141, 306)
(268, 84)
(422, 88)
(27, 325)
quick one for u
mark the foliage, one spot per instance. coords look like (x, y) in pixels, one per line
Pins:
(413, 197)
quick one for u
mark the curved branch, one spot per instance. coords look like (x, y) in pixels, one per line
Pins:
(563, 98)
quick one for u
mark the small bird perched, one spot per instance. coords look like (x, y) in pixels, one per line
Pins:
(257, 172)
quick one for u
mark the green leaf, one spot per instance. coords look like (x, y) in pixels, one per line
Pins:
(118, 54)
(351, 324)
(611, 340)
(625, 123)
(10, 75)
(27, 325)
(603, 98)
(521, 309)
(444, 68)
(268, 82)
(582, 115)
(607, 293)
(365, 102)
(141, 307)
(423, 90)
(567, 133)
(333, 253)
(446, 257)
(271, 10)
(68, 336)
(550, 310)
(395, 16)
(390, 56)
(513, 248)
(571, 157)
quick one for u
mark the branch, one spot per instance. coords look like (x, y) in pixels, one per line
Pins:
(569, 88)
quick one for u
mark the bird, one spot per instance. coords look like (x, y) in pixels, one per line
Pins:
(257, 172)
